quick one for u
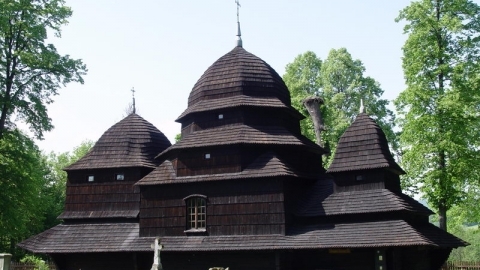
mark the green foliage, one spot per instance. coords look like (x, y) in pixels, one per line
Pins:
(38, 262)
(178, 137)
(439, 109)
(32, 187)
(467, 231)
(340, 81)
(31, 72)
(22, 174)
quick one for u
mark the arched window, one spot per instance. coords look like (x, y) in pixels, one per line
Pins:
(196, 212)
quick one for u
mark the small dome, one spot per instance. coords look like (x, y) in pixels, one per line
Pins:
(132, 142)
(363, 146)
(239, 73)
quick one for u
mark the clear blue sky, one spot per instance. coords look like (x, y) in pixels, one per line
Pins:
(162, 48)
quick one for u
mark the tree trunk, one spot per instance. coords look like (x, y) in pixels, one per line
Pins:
(442, 216)
(313, 107)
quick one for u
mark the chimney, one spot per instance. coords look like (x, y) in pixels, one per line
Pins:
(313, 107)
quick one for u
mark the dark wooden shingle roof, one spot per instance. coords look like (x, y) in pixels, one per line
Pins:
(99, 214)
(132, 142)
(363, 146)
(266, 165)
(120, 237)
(239, 73)
(238, 101)
(356, 202)
(242, 134)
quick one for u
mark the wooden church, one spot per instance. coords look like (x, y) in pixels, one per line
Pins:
(242, 189)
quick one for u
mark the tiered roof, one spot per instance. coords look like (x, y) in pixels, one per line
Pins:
(118, 237)
(321, 201)
(243, 134)
(267, 165)
(132, 142)
(363, 146)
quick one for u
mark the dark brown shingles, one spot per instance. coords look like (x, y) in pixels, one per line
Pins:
(239, 73)
(363, 146)
(242, 134)
(237, 101)
(356, 202)
(99, 214)
(124, 237)
(86, 238)
(266, 165)
(132, 142)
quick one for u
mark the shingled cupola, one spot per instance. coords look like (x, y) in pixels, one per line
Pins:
(240, 135)
(363, 159)
(101, 183)
(240, 101)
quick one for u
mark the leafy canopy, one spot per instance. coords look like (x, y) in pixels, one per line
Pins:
(31, 71)
(22, 174)
(341, 83)
(439, 110)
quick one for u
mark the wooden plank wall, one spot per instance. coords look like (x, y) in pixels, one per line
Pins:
(106, 175)
(223, 160)
(105, 193)
(119, 195)
(243, 207)
(247, 115)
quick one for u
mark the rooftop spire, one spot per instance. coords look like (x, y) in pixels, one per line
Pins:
(133, 97)
(362, 108)
(239, 33)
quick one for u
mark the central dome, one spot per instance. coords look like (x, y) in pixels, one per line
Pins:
(239, 73)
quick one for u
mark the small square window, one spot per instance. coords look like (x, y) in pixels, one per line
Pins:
(220, 116)
(91, 178)
(207, 156)
(120, 176)
(360, 177)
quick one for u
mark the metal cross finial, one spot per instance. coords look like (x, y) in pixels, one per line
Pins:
(133, 96)
(239, 33)
(238, 10)
(362, 108)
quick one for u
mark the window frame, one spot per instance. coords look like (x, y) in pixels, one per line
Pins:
(196, 208)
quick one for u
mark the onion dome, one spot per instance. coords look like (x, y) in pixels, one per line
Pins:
(239, 73)
(132, 142)
(363, 146)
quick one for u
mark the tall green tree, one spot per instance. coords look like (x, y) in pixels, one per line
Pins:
(439, 109)
(32, 187)
(22, 174)
(340, 81)
(31, 71)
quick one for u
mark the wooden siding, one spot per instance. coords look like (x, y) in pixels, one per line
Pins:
(243, 115)
(106, 175)
(102, 197)
(371, 179)
(234, 207)
(222, 160)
